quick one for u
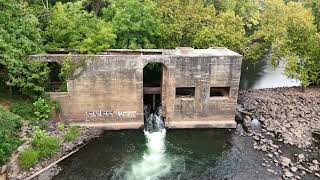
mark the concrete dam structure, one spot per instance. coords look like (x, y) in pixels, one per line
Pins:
(194, 88)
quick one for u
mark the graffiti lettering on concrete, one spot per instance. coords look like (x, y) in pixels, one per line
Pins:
(111, 114)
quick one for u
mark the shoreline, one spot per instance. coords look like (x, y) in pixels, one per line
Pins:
(15, 173)
(293, 113)
(284, 114)
(288, 117)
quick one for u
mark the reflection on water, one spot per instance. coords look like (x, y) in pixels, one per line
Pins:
(193, 154)
(262, 75)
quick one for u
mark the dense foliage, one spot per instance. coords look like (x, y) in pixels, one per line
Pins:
(289, 31)
(134, 22)
(19, 36)
(24, 109)
(286, 28)
(70, 26)
(42, 109)
(9, 134)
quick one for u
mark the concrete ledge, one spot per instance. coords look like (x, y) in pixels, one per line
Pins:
(112, 126)
(172, 125)
(202, 124)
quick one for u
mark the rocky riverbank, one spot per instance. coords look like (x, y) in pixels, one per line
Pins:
(15, 173)
(290, 119)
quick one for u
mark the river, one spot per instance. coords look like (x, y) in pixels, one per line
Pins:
(181, 154)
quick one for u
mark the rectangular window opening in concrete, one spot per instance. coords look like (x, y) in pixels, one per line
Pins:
(219, 91)
(56, 83)
(185, 92)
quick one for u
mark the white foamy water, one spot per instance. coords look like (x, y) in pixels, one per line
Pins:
(154, 163)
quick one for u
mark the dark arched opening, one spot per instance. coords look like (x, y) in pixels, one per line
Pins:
(154, 87)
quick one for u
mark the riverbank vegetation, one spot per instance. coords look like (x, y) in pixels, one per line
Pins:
(9, 134)
(288, 30)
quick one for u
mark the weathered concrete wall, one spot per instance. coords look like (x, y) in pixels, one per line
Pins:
(109, 91)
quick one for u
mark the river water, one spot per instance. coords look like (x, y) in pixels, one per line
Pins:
(177, 154)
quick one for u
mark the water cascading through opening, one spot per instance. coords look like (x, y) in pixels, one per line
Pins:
(154, 163)
(154, 75)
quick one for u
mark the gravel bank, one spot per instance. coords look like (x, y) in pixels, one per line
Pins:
(286, 119)
(291, 113)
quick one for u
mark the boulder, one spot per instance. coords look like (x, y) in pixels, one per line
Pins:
(255, 125)
(294, 169)
(285, 161)
(301, 157)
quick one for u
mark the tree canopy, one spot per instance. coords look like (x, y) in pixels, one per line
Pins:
(70, 26)
(286, 28)
(20, 36)
(290, 32)
(134, 22)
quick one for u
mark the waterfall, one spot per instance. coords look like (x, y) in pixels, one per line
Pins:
(153, 120)
(154, 163)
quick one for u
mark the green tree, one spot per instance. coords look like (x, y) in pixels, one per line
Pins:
(134, 22)
(226, 31)
(182, 20)
(20, 36)
(289, 31)
(70, 26)
(248, 10)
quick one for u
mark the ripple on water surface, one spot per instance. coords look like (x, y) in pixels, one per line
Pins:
(175, 154)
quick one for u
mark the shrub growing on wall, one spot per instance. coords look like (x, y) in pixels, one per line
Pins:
(42, 109)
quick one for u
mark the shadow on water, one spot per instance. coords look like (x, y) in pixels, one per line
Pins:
(193, 154)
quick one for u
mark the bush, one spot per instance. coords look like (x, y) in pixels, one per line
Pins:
(72, 133)
(61, 126)
(46, 145)
(42, 109)
(28, 158)
(24, 109)
(10, 125)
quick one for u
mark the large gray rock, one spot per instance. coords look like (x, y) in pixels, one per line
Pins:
(301, 157)
(285, 161)
(255, 125)
(287, 173)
